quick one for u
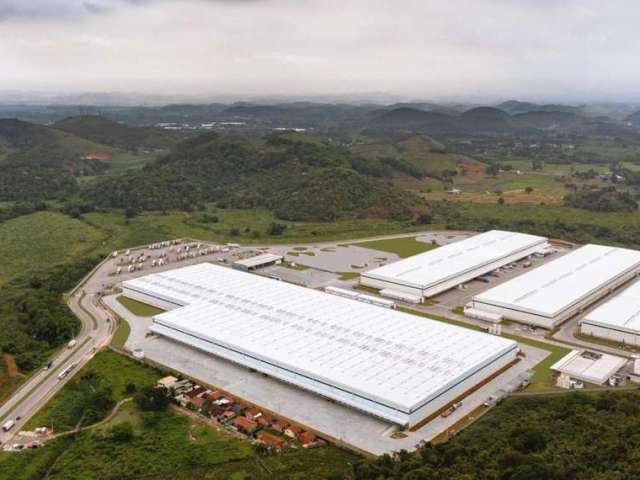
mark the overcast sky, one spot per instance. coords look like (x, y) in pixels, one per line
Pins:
(529, 49)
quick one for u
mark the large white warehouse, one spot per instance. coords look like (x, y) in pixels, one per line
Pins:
(548, 295)
(446, 267)
(618, 319)
(390, 364)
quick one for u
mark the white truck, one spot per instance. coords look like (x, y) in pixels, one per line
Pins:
(8, 425)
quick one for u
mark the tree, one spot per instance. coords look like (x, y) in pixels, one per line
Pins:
(423, 219)
(153, 399)
(130, 212)
(276, 229)
(528, 190)
(501, 201)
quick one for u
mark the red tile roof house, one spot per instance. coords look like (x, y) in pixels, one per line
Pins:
(306, 438)
(228, 415)
(293, 431)
(216, 410)
(279, 426)
(252, 413)
(216, 395)
(195, 391)
(197, 402)
(244, 425)
(271, 441)
(265, 420)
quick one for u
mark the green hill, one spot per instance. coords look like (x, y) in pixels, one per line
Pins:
(298, 180)
(106, 131)
(427, 156)
(41, 162)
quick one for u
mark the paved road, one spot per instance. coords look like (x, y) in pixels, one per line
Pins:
(36, 392)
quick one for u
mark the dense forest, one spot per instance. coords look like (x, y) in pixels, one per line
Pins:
(602, 200)
(559, 437)
(33, 316)
(298, 180)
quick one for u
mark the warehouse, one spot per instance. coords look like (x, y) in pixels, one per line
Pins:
(554, 292)
(389, 364)
(258, 261)
(618, 319)
(446, 267)
(585, 366)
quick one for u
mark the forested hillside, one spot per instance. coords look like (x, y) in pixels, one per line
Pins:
(108, 132)
(561, 437)
(299, 180)
(40, 162)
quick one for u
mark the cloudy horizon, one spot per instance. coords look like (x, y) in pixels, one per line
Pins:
(567, 50)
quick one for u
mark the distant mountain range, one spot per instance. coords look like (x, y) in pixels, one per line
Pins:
(487, 120)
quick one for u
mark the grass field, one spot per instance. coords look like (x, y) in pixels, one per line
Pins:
(107, 370)
(403, 247)
(163, 444)
(121, 334)
(34, 242)
(139, 308)
(251, 226)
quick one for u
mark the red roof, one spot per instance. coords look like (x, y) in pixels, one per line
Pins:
(243, 423)
(197, 402)
(217, 395)
(294, 429)
(271, 440)
(97, 156)
(279, 425)
(306, 437)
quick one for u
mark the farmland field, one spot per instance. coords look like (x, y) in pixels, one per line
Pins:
(34, 242)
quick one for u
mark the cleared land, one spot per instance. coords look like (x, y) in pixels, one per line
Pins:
(403, 247)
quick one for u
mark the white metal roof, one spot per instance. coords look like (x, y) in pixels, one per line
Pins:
(621, 312)
(555, 286)
(258, 260)
(591, 367)
(385, 356)
(451, 260)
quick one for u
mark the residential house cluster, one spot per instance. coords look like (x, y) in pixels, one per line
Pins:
(265, 429)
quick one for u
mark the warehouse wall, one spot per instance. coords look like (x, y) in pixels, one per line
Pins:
(440, 402)
(609, 333)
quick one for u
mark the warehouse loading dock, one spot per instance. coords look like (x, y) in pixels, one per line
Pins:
(386, 363)
(618, 319)
(436, 271)
(548, 295)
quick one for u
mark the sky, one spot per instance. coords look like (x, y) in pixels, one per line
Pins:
(572, 50)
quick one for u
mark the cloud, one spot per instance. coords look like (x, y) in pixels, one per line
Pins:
(561, 49)
(64, 9)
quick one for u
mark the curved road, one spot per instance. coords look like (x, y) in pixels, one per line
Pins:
(96, 332)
